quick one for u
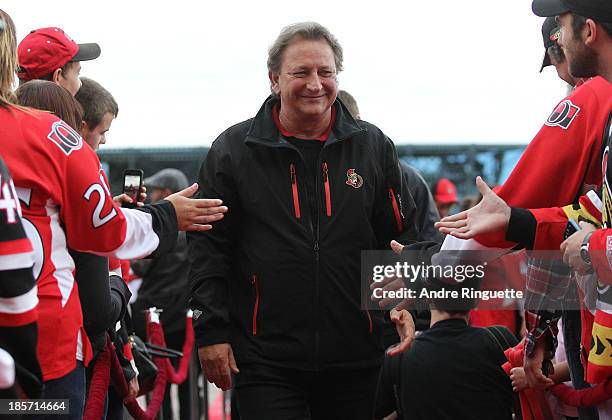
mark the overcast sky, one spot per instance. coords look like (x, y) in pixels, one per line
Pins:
(443, 71)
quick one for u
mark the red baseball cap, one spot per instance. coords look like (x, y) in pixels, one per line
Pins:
(45, 50)
(446, 192)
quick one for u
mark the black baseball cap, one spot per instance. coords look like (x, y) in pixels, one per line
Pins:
(550, 34)
(598, 10)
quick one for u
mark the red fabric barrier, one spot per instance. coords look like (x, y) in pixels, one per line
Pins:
(107, 367)
(94, 407)
(180, 376)
(155, 336)
(534, 405)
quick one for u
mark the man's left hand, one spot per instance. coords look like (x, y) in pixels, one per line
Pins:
(571, 248)
(404, 324)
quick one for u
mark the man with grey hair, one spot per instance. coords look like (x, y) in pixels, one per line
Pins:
(275, 288)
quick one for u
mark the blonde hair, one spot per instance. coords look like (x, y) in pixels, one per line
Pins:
(8, 58)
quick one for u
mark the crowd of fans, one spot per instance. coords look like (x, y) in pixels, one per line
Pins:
(266, 255)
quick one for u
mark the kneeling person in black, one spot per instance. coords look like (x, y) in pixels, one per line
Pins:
(451, 371)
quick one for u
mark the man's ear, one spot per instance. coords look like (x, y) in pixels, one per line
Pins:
(84, 128)
(274, 82)
(56, 75)
(590, 31)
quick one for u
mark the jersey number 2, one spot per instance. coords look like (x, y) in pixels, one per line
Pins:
(97, 219)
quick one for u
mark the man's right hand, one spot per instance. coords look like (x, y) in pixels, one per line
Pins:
(195, 214)
(490, 215)
(218, 364)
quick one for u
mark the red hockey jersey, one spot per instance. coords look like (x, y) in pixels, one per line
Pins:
(564, 156)
(66, 203)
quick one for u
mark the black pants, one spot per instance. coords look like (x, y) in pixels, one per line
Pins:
(265, 392)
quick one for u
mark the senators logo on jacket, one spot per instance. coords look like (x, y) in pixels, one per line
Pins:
(353, 179)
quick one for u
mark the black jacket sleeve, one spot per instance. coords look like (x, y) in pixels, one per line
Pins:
(91, 274)
(103, 298)
(395, 208)
(521, 227)
(210, 252)
(426, 210)
(165, 225)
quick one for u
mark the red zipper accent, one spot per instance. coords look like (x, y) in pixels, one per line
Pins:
(327, 190)
(370, 320)
(396, 212)
(294, 189)
(256, 307)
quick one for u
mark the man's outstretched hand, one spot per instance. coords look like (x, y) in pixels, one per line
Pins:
(404, 324)
(490, 215)
(196, 214)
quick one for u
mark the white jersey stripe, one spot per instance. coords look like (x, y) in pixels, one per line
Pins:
(592, 195)
(17, 261)
(61, 259)
(140, 239)
(20, 304)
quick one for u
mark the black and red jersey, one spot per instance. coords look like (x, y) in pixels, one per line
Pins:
(18, 300)
(17, 292)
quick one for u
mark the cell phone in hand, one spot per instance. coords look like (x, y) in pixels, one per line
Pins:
(132, 183)
(571, 228)
(575, 225)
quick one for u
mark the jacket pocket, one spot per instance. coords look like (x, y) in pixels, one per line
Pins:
(328, 208)
(256, 303)
(294, 191)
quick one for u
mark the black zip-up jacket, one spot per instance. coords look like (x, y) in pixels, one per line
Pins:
(281, 288)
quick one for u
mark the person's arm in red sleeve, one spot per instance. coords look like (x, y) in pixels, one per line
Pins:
(600, 250)
(564, 155)
(94, 223)
(545, 229)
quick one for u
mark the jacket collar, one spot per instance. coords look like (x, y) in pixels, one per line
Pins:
(450, 323)
(263, 130)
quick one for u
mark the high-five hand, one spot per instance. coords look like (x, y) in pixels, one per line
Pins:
(196, 214)
(490, 215)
